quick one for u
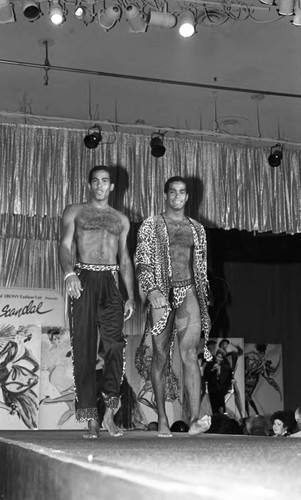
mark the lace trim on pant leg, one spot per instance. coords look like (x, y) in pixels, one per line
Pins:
(86, 414)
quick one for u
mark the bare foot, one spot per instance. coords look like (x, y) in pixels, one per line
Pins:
(164, 430)
(109, 424)
(93, 427)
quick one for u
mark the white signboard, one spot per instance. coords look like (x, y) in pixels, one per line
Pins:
(31, 306)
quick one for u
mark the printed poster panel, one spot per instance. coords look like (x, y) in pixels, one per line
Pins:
(23, 312)
(228, 366)
(263, 379)
(20, 354)
(57, 398)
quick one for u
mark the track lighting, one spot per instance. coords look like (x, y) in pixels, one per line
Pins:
(135, 19)
(83, 14)
(108, 17)
(187, 24)
(31, 10)
(276, 156)
(7, 14)
(161, 19)
(286, 7)
(156, 144)
(93, 138)
(56, 13)
(297, 15)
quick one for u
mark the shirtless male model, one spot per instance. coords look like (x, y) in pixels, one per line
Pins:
(171, 265)
(96, 307)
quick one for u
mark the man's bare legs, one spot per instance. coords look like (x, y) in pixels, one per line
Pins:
(188, 324)
(161, 344)
(191, 370)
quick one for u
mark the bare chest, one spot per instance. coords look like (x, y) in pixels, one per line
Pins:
(91, 219)
(180, 233)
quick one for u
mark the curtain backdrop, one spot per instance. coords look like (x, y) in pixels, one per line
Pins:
(43, 169)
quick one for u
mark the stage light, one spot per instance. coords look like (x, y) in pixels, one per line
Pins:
(7, 14)
(31, 10)
(276, 156)
(186, 24)
(161, 19)
(93, 138)
(135, 19)
(56, 13)
(297, 15)
(83, 14)
(156, 144)
(107, 18)
(286, 7)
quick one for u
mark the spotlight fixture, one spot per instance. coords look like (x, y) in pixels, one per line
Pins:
(156, 144)
(83, 14)
(56, 13)
(297, 15)
(31, 10)
(135, 19)
(276, 156)
(187, 24)
(108, 17)
(7, 14)
(286, 7)
(93, 138)
(161, 19)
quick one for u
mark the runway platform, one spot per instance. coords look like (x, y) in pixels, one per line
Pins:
(62, 465)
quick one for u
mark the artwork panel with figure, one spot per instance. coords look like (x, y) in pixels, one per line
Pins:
(263, 379)
(20, 354)
(223, 377)
(57, 397)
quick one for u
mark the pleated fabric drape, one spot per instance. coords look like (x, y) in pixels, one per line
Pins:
(43, 169)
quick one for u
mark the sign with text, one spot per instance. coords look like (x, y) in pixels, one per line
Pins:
(31, 306)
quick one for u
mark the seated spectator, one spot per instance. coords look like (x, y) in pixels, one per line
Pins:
(283, 423)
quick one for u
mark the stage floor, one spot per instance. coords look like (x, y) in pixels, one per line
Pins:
(63, 465)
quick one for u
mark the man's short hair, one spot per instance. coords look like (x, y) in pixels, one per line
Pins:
(176, 178)
(97, 168)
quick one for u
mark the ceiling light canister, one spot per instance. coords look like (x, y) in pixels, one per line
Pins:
(276, 155)
(7, 14)
(56, 13)
(135, 19)
(108, 17)
(93, 138)
(161, 19)
(157, 147)
(286, 7)
(187, 24)
(297, 15)
(31, 10)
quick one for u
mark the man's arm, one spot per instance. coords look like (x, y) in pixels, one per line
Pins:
(145, 268)
(126, 269)
(73, 283)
